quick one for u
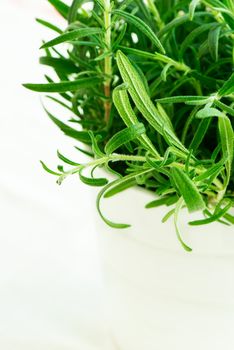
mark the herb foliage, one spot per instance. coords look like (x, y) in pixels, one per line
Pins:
(151, 84)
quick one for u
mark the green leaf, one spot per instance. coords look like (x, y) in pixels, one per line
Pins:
(192, 6)
(72, 13)
(176, 215)
(66, 160)
(49, 25)
(122, 104)
(213, 42)
(61, 7)
(156, 57)
(120, 37)
(59, 64)
(212, 218)
(224, 107)
(78, 43)
(45, 167)
(188, 190)
(229, 218)
(227, 143)
(103, 56)
(64, 86)
(213, 172)
(209, 214)
(142, 26)
(193, 35)
(230, 5)
(206, 80)
(138, 52)
(98, 182)
(188, 122)
(166, 59)
(65, 95)
(218, 6)
(168, 28)
(95, 147)
(98, 204)
(87, 153)
(168, 215)
(208, 112)
(124, 136)
(143, 102)
(125, 182)
(82, 136)
(194, 100)
(167, 200)
(120, 187)
(61, 103)
(228, 87)
(73, 35)
(165, 71)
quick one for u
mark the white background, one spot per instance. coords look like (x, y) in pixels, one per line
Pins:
(50, 285)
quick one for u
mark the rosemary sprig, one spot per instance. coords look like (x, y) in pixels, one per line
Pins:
(151, 83)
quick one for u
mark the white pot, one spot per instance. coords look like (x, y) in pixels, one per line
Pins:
(160, 296)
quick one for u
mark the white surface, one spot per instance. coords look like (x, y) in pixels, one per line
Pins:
(161, 297)
(50, 289)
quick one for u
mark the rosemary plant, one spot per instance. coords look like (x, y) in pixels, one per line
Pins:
(150, 85)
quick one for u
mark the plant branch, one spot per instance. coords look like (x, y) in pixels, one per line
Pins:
(108, 59)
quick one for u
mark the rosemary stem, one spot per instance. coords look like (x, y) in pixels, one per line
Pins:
(125, 157)
(108, 58)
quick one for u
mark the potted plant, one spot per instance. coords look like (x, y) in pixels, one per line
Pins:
(149, 90)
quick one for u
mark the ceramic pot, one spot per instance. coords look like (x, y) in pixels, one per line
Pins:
(161, 297)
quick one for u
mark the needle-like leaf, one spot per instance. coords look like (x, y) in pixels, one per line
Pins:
(73, 35)
(143, 102)
(192, 7)
(64, 86)
(124, 136)
(97, 182)
(193, 100)
(61, 7)
(121, 101)
(49, 25)
(142, 26)
(98, 204)
(228, 87)
(213, 42)
(188, 190)
(176, 216)
(82, 136)
(227, 144)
